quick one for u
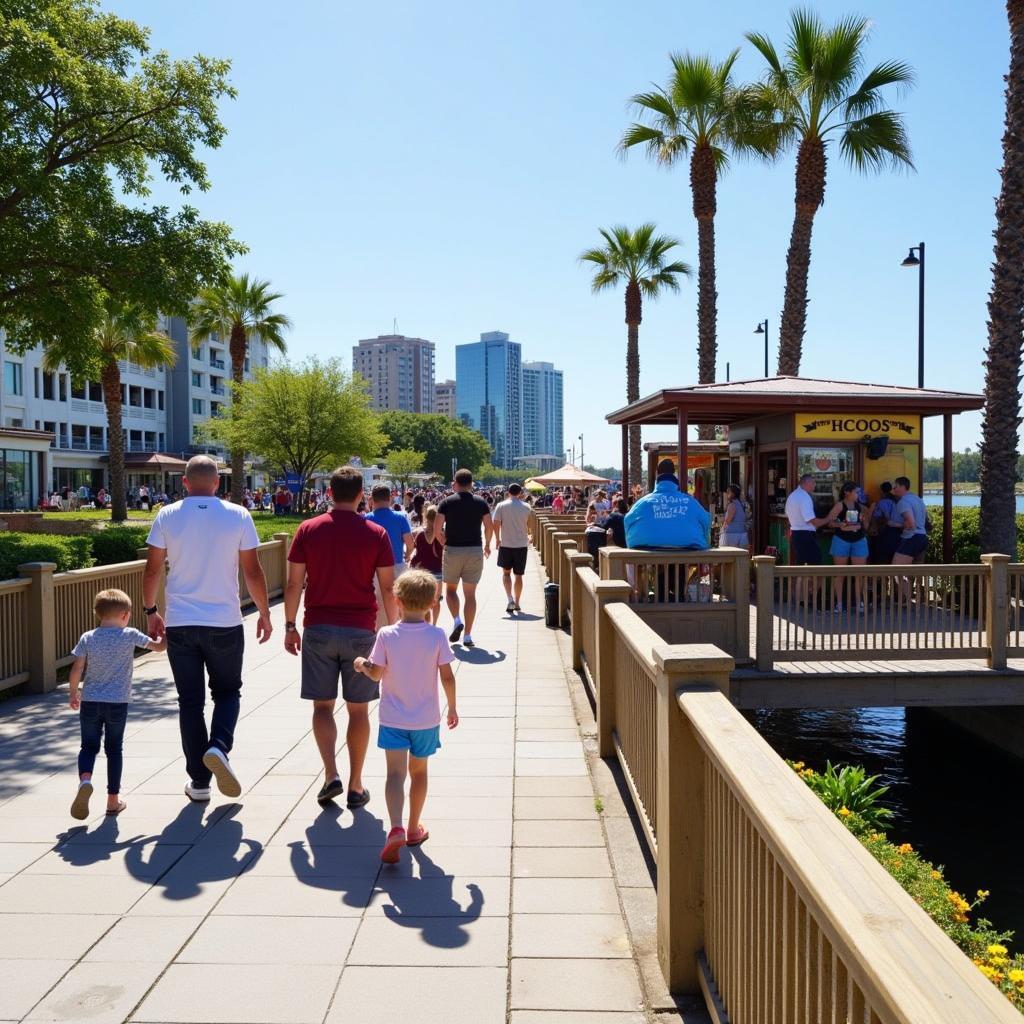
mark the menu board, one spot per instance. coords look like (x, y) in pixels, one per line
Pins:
(831, 466)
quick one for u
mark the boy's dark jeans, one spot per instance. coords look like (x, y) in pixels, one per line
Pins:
(194, 651)
(104, 721)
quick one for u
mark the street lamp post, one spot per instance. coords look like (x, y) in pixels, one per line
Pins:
(917, 260)
(581, 451)
(762, 328)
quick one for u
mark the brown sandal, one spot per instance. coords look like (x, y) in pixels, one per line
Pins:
(121, 805)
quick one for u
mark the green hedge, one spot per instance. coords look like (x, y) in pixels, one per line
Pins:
(118, 544)
(966, 535)
(66, 552)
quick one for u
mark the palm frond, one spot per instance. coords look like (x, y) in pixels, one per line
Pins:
(867, 98)
(636, 255)
(876, 141)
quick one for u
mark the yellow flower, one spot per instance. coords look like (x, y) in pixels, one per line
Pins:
(986, 970)
(797, 765)
(844, 812)
(905, 848)
(1016, 976)
(936, 874)
(983, 894)
(996, 949)
(998, 961)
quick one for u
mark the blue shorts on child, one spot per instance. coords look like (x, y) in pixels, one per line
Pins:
(419, 742)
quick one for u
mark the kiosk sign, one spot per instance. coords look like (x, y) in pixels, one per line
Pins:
(852, 426)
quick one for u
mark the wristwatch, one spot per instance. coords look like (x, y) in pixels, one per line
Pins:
(150, 611)
(290, 627)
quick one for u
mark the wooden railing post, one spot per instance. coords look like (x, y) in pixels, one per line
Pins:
(681, 811)
(566, 549)
(606, 592)
(555, 565)
(764, 572)
(574, 585)
(995, 609)
(285, 540)
(611, 568)
(42, 628)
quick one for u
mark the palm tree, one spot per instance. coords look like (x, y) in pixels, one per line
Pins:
(1006, 299)
(821, 95)
(239, 308)
(123, 335)
(638, 260)
(700, 113)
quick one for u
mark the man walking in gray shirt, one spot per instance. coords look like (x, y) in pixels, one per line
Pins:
(511, 520)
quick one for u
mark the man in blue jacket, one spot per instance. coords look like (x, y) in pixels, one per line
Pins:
(668, 517)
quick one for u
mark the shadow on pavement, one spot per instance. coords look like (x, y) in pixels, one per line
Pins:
(477, 655)
(428, 903)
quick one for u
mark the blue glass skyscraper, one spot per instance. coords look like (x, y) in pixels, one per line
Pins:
(488, 393)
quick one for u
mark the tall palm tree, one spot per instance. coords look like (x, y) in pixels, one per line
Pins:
(124, 335)
(700, 113)
(1006, 300)
(822, 96)
(239, 309)
(637, 259)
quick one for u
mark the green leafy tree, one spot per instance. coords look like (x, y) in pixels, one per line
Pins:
(1001, 419)
(637, 259)
(239, 308)
(301, 419)
(403, 464)
(439, 437)
(488, 474)
(88, 118)
(821, 96)
(702, 114)
(125, 335)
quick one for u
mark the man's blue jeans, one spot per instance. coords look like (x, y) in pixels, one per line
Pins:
(193, 652)
(103, 721)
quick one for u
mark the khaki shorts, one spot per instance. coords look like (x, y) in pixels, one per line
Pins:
(466, 564)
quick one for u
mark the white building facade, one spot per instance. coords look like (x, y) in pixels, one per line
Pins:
(444, 398)
(542, 409)
(399, 371)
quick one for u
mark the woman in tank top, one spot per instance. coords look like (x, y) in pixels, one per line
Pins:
(734, 526)
(849, 518)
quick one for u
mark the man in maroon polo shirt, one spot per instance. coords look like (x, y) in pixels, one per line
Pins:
(337, 555)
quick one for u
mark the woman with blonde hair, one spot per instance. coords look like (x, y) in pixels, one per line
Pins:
(427, 555)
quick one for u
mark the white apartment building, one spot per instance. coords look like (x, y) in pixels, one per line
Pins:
(444, 398)
(542, 409)
(53, 432)
(399, 371)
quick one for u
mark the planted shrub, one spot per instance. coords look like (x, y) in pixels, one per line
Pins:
(65, 552)
(118, 544)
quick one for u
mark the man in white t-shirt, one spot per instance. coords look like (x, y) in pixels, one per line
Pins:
(803, 530)
(205, 540)
(511, 520)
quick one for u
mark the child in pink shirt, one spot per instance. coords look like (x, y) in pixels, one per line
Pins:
(406, 659)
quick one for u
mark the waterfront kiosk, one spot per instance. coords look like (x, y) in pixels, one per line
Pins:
(709, 468)
(782, 427)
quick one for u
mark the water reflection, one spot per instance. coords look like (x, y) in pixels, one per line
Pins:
(954, 797)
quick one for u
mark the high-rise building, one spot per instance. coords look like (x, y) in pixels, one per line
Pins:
(444, 398)
(488, 393)
(542, 409)
(400, 371)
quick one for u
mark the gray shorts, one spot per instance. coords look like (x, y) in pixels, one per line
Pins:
(330, 651)
(466, 564)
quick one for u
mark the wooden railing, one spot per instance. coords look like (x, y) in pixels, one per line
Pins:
(43, 613)
(14, 645)
(1015, 610)
(813, 613)
(688, 596)
(766, 904)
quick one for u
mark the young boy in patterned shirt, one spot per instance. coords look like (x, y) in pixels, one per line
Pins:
(104, 655)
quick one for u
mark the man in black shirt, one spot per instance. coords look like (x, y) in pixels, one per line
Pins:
(459, 518)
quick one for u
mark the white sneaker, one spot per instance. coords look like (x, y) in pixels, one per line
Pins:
(197, 794)
(227, 782)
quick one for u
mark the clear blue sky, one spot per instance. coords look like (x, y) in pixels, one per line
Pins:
(445, 163)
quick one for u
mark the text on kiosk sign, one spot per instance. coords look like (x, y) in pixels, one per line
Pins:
(856, 426)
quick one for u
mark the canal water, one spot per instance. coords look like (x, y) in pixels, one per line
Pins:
(966, 500)
(955, 798)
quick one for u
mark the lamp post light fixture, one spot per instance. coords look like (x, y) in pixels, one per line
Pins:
(917, 260)
(581, 451)
(762, 328)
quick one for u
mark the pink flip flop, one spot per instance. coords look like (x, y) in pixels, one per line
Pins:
(393, 847)
(415, 838)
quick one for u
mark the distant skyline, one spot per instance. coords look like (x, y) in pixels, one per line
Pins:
(445, 165)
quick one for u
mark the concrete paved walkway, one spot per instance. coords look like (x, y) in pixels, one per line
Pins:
(267, 909)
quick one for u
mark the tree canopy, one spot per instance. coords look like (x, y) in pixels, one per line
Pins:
(403, 464)
(441, 438)
(88, 117)
(304, 418)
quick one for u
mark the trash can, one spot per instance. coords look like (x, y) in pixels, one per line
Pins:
(551, 605)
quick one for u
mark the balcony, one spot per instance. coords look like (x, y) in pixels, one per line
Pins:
(217, 389)
(141, 446)
(217, 364)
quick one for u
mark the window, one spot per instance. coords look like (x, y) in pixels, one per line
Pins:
(35, 375)
(13, 383)
(51, 427)
(77, 391)
(197, 380)
(148, 398)
(831, 467)
(160, 402)
(135, 396)
(197, 352)
(48, 386)
(62, 380)
(95, 391)
(197, 407)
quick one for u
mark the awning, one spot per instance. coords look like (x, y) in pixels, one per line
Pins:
(151, 462)
(569, 476)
